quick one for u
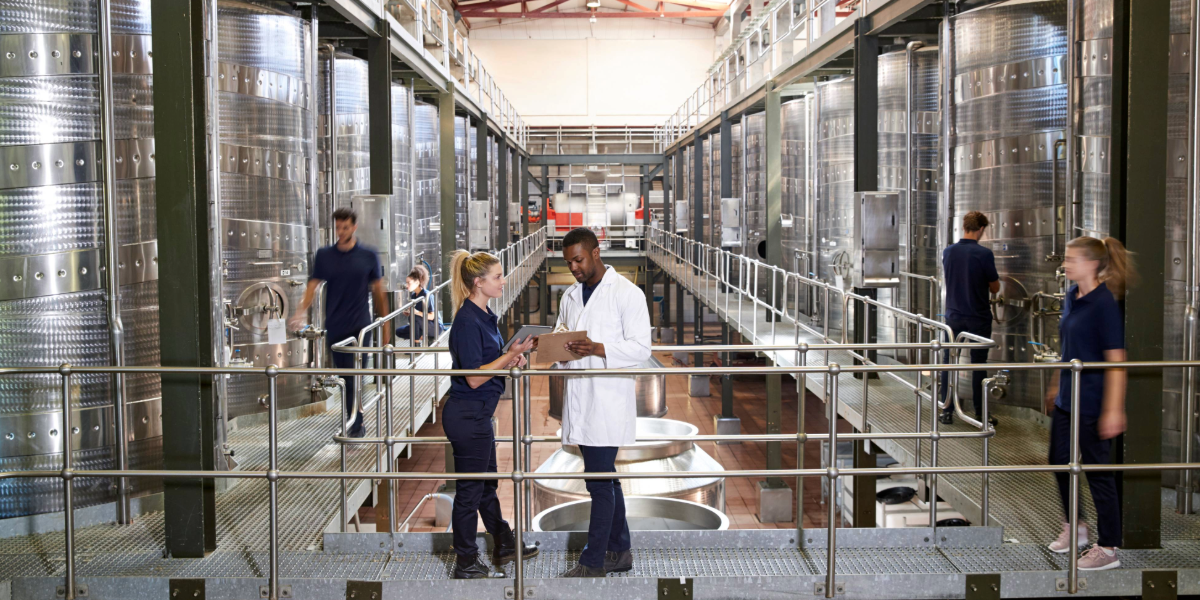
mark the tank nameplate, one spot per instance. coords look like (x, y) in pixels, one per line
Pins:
(261, 162)
(133, 54)
(138, 262)
(261, 83)
(42, 54)
(49, 274)
(1095, 58)
(49, 164)
(998, 79)
(1021, 149)
(241, 234)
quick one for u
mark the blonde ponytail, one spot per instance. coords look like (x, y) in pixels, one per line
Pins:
(464, 268)
(1116, 270)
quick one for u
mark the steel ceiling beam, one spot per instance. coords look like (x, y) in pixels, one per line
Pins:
(694, 14)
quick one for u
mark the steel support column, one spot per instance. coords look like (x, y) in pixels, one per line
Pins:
(668, 212)
(774, 173)
(503, 191)
(697, 205)
(446, 107)
(379, 111)
(1142, 28)
(864, 487)
(866, 155)
(186, 213)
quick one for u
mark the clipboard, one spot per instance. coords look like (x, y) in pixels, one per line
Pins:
(526, 331)
(551, 346)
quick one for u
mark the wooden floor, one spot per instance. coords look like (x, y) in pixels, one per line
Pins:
(741, 493)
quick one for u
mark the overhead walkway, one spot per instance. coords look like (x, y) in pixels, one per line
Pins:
(1024, 504)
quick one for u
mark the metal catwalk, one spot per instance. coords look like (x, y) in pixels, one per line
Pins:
(892, 408)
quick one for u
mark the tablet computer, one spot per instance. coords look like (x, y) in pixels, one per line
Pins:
(526, 331)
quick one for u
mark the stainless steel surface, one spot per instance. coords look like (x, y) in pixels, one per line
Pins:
(835, 186)
(266, 150)
(650, 392)
(68, 215)
(427, 211)
(346, 172)
(908, 163)
(641, 457)
(643, 514)
(1003, 149)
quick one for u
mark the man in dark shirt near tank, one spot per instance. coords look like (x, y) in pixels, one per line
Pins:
(352, 273)
(970, 271)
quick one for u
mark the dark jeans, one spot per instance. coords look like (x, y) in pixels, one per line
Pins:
(608, 531)
(469, 427)
(1092, 451)
(981, 327)
(345, 360)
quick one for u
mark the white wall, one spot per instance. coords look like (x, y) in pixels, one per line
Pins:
(595, 81)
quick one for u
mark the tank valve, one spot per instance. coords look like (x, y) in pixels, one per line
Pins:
(998, 385)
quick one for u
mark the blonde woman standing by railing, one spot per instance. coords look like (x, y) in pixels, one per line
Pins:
(1092, 330)
(475, 343)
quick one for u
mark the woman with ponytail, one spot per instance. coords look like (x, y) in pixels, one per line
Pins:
(475, 343)
(1092, 330)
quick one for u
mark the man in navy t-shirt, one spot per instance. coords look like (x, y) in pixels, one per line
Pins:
(971, 276)
(352, 273)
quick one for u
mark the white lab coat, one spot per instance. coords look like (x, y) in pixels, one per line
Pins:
(602, 411)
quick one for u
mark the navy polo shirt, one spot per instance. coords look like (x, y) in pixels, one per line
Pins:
(348, 277)
(475, 341)
(587, 292)
(969, 268)
(1089, 326)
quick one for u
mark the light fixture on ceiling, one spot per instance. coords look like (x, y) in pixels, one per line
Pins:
(593, 3)
(593, 19)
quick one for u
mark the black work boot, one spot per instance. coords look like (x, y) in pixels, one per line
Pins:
(582, 570)
(947, 418)
(618, 562)
(505, 550)
(470, 568)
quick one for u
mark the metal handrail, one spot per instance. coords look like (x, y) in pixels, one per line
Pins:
(519, 379)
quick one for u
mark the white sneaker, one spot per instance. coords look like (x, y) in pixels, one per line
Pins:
(1062, 544)
(1099, 558)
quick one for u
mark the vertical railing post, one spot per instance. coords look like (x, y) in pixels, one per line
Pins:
(935, 347)
(983, 484)
(1073, 496)
(273, 482)
(801, 434)
(528, 443)
(412, 364)
(389, 362)
(832, 474)
(67, 475)
(917, 392)
(518, 477)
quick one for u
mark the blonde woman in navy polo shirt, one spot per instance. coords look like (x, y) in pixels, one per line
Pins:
(1092, 330)
(475, 343)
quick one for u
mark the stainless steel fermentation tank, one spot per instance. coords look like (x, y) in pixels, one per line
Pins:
(798, 197)
(909, 117)
(835, 187)
(427, 192)
(650, 392)
(67, 227)
(652, 457)
(266, 121)
(1008, 160)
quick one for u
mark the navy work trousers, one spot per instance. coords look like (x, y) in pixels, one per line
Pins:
(469, 426)
(977, 326)
(608, 531)
(1092, 451)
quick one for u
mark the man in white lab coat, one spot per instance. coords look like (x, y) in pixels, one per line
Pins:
(599, 413)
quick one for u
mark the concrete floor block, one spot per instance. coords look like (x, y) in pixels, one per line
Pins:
(698, 386)
(774, 504)
(727, 426)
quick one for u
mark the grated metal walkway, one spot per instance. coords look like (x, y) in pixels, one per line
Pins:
(306, 506)
(892, 408)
